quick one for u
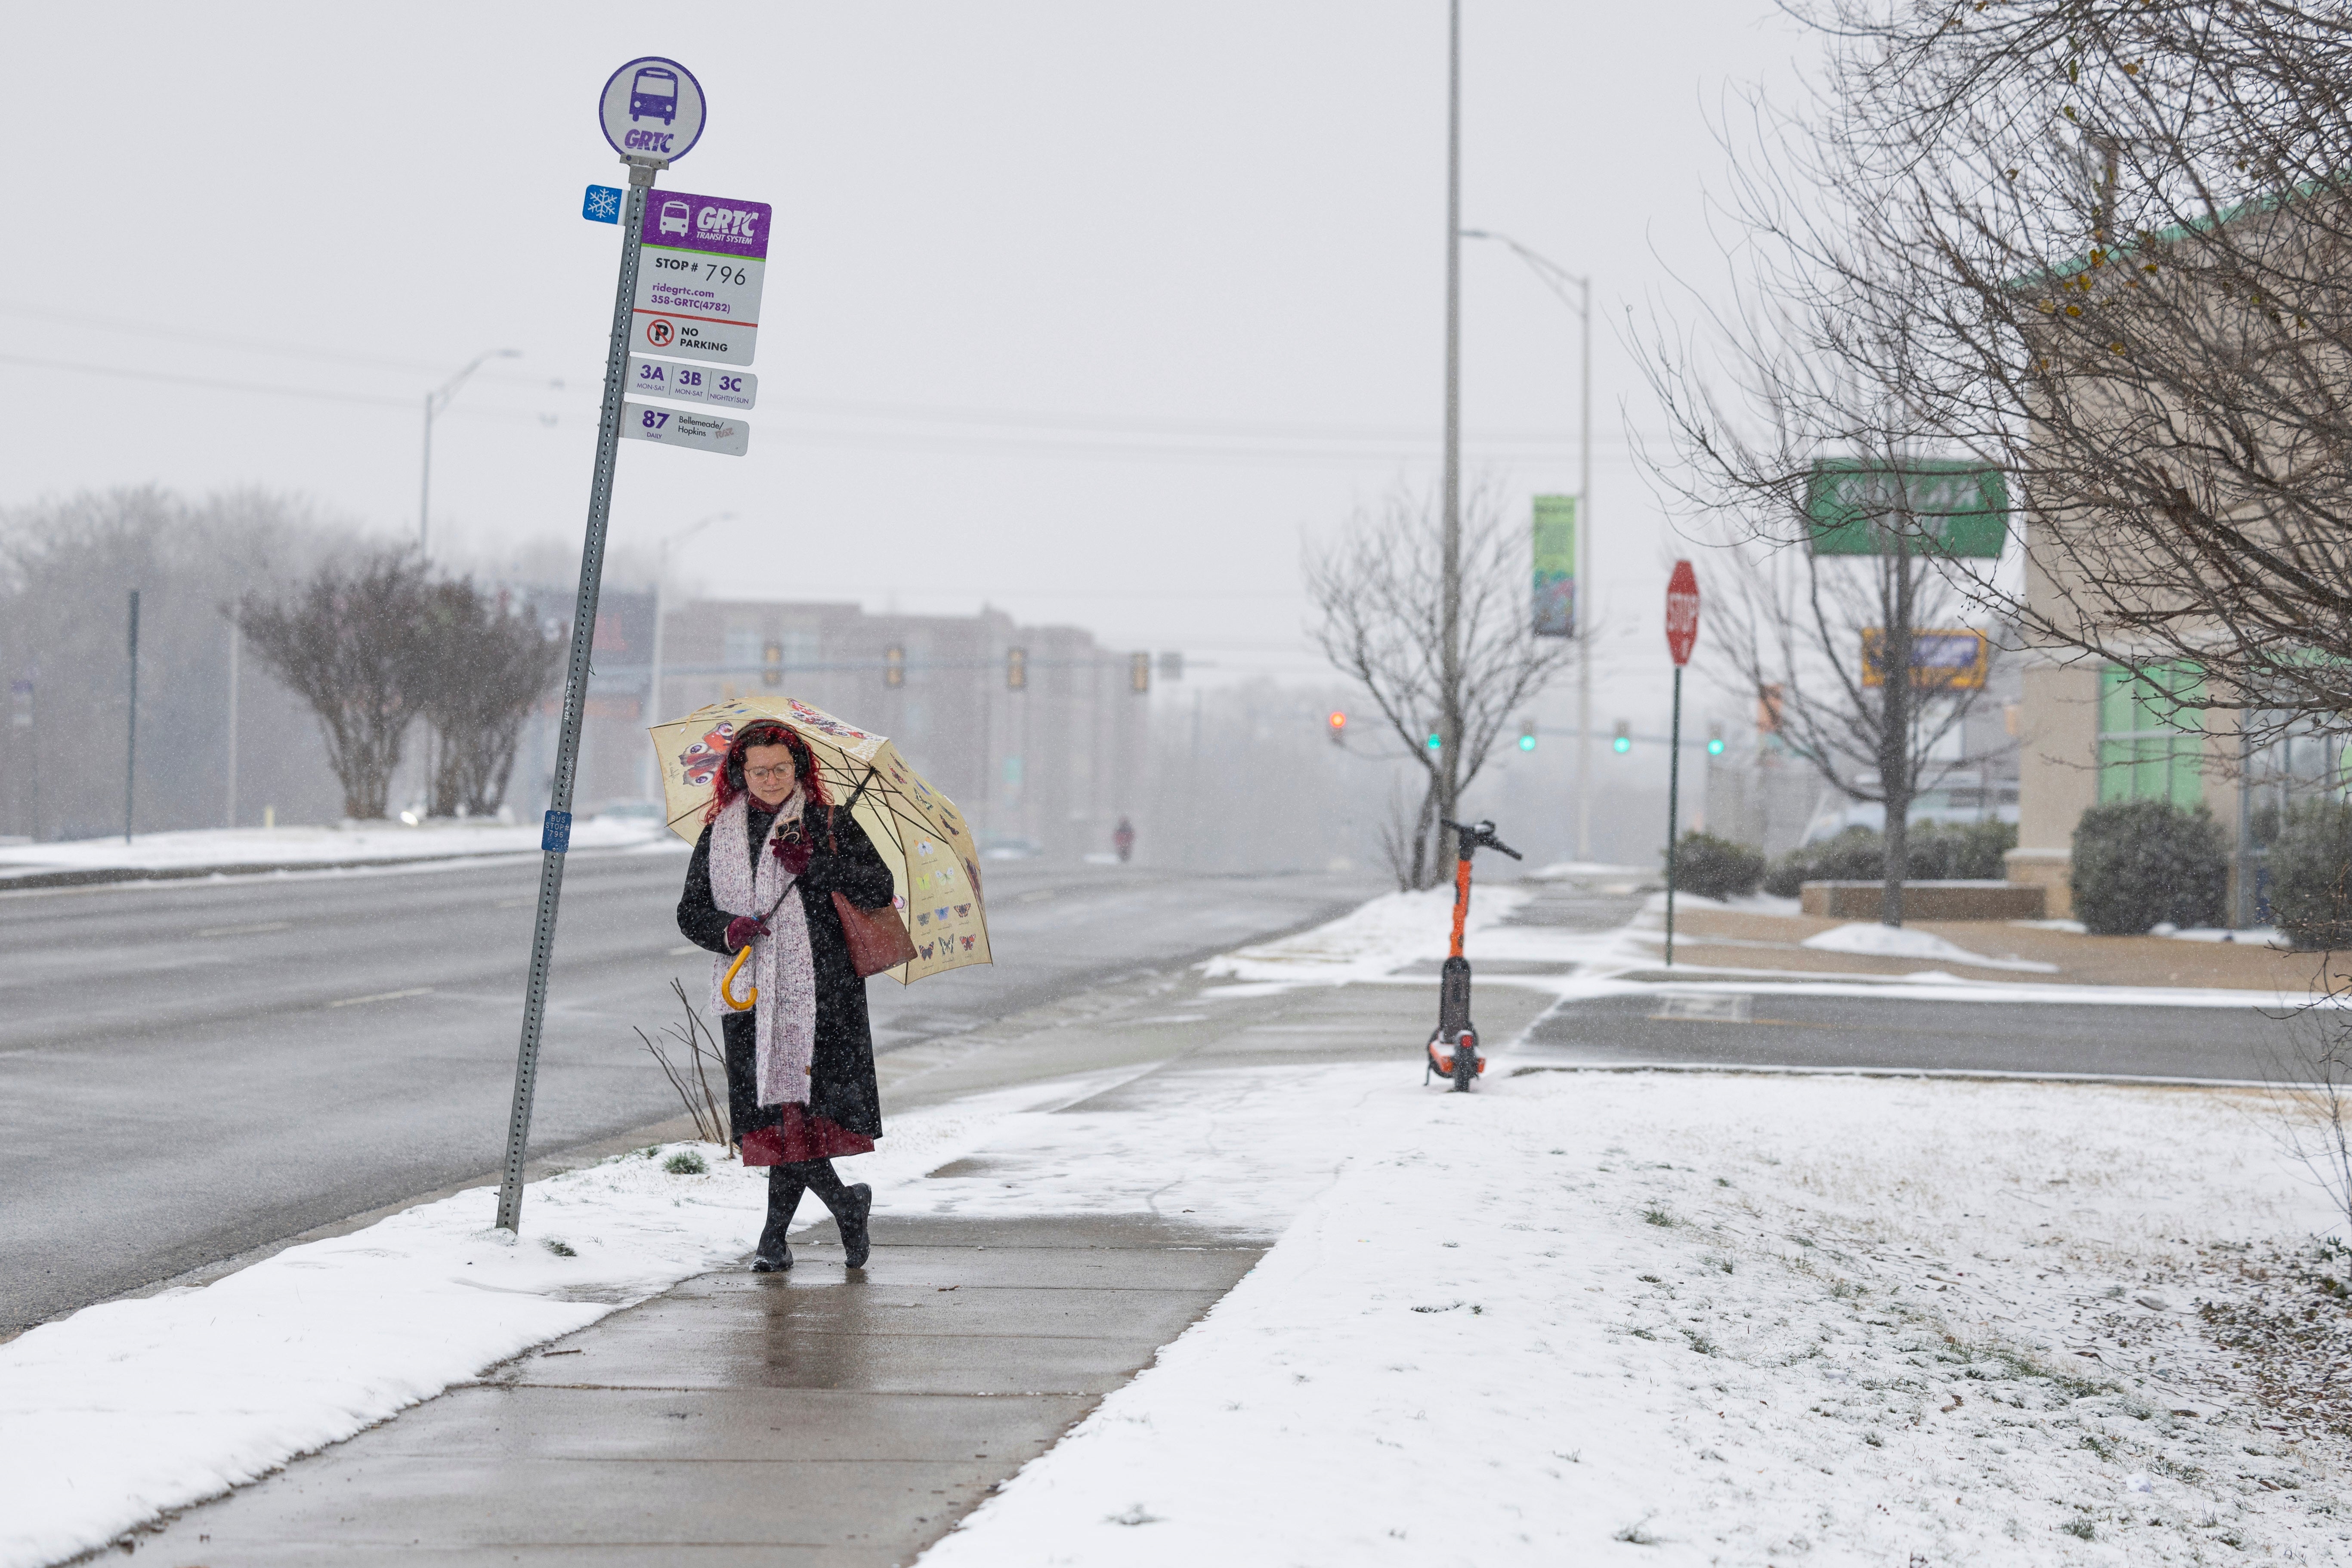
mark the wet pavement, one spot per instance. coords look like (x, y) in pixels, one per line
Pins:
(813, 1417)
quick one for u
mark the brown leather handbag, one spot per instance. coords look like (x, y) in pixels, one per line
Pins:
(877, 938)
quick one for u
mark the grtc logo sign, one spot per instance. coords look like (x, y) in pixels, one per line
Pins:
(725, 223)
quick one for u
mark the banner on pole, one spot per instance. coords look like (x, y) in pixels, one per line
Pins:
(1555, 566)
(1950, 660)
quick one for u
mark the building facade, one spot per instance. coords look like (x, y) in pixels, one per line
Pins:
(1037, 732)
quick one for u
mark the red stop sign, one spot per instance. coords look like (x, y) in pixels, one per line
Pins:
(1682, 612)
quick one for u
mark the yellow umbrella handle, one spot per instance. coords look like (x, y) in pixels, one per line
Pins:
(727, 986)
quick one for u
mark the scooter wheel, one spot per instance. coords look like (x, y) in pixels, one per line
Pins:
(1465, 1066)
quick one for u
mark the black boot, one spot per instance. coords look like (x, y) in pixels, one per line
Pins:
(851, 1206)
(775, 1255)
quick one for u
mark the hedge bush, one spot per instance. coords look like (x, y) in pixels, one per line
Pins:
(2138, 862)
(1716, 867)
(2311, 874)
(1933, 852)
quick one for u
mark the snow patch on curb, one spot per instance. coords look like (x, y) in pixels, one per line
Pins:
(1900, 942)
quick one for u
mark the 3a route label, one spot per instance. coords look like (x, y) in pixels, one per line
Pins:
(699, 273)
(713, 385)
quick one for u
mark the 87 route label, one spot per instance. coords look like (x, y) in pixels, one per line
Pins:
(677, 427)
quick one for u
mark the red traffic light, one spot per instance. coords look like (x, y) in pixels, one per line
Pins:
(1338, 722)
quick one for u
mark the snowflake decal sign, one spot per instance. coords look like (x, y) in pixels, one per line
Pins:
(602, 205)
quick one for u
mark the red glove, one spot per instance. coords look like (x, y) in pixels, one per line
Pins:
(741, 930)
(794, 856)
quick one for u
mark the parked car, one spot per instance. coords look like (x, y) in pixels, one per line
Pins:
(1008, 846)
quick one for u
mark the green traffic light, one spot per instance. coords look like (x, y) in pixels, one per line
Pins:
(1715, 746)
(1623, 744)
(1435, 742)
(1527, 742)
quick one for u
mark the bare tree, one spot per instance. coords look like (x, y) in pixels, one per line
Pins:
(483, 664)
(2101, 246)
(1379, 590)
(1820, 638)
(348, 642)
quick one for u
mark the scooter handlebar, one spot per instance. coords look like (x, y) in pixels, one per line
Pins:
(1481, 836)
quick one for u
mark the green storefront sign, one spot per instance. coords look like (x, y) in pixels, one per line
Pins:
(1555, 566)
(1860, 509)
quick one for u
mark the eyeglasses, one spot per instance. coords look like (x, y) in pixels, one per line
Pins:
(776, 774)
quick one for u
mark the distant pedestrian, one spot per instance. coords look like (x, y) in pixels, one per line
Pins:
(1122, 839)
(799, 1064)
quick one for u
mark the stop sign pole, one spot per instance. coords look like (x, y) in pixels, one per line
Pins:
(1682, 636)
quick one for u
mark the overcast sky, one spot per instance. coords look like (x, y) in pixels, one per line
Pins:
(1088, 311)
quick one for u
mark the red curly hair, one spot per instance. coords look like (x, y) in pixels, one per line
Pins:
(730, 787)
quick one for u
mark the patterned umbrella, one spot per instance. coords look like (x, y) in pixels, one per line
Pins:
(922, 837)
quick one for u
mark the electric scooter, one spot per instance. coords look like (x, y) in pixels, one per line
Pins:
(1454, 1049)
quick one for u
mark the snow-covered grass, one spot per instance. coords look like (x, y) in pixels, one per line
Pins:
(1687, 1320)
(321, 846)
(125, 1409)
(1901, 941)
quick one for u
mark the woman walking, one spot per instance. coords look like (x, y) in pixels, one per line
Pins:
(799, 1064)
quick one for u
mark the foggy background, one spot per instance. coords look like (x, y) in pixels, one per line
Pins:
(1091, 314)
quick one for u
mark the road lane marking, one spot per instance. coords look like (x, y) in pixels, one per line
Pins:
(514, 903)
(381, 996)
(684, 952)
(265, 926)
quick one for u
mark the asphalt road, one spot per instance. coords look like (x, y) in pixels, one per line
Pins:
(190, 1070)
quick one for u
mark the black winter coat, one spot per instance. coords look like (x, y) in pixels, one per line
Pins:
(841, 1081)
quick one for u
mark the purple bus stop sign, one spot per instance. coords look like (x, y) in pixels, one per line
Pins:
(652, 110)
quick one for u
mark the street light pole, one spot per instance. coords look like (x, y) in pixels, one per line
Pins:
(1556, 277)
(1450, 653)
(661, 604)
(434, 402)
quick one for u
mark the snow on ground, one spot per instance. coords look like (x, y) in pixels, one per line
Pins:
(323, 845)
(1898, 942)
(1590, 1318)
(1397, 931)
(128, 1408)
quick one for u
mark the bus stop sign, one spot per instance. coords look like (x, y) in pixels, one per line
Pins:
(652, 110)
(1682, 613)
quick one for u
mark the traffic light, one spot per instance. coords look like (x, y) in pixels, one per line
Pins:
(1526, 734)
(772, 664)
(1336, 725)
(1715, 740)
(894, 667)
(1016, 669)
(1171, 666)
(1625, 741)
(1138, 673)
(1436, 741)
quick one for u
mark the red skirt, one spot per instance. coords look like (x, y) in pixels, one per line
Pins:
(801, 1134)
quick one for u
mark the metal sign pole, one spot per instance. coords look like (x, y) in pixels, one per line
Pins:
(130, 745)
(1674, 809)
(555, 836)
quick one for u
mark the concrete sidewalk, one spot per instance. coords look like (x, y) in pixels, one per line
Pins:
(819, 1417)
(814, 1416)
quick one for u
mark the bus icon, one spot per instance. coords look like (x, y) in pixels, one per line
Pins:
(653, 94)
(673, 218)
